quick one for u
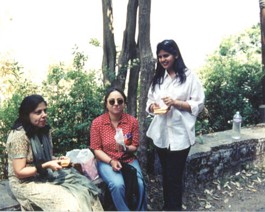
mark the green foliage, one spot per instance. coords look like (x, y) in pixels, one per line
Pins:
(79, 59)
(74, 100)
(232, 81)
(21, 87)
(95, 42)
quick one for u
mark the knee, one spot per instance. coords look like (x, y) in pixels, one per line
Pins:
(117, 185)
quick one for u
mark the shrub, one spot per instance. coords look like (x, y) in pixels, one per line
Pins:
(232, 81)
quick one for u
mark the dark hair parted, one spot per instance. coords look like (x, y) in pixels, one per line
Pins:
(28, 105)
(179, 66)
(109, 91)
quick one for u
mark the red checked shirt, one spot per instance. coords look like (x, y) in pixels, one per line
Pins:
(102, 134)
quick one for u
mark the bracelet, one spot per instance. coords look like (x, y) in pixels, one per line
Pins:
(110, 162)
(40, 169)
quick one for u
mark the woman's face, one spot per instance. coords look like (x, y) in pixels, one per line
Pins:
(39, 116)
(115, 103)
(166, 59)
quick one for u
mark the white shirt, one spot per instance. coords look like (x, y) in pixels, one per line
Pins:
(176, 128)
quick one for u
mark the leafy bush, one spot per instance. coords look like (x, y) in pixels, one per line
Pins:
(74, 100)
(17, 87)
(232, 81)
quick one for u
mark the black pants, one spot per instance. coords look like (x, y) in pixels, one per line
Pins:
(173, 164)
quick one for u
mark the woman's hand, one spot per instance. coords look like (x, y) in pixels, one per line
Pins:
(53, 164)
(168, 101)
(63, 158)
(102, 156)
(153, 107)
(131, 149)
(116, 165)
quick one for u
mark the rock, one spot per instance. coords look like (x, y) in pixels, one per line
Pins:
(8, 201)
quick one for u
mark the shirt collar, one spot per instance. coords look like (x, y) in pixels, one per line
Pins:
(106, 119)
(166, 74)
(187, 72)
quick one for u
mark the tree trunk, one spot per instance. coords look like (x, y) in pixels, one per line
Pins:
(128, 50)
(132, 88)
(262, 29)
(146, 70)
(128, 55)
(109, 48)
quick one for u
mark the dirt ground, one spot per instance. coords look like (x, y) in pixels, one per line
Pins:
(243, 191)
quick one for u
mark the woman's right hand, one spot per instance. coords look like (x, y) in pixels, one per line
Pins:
(153, 106)
(102, 156)
(53, 164)
(116, 165)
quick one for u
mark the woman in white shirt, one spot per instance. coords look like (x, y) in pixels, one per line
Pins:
(175, 98)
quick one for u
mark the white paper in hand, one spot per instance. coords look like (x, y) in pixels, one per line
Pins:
(119, 138)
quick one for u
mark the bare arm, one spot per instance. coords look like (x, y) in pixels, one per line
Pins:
(102, 156)
(22, 171)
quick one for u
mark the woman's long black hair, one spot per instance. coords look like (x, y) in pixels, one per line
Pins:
(28, 105)
(179, 66)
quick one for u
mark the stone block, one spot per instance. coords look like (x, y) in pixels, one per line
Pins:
(8, 201)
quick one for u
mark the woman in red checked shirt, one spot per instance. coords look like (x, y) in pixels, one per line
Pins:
(110, 154)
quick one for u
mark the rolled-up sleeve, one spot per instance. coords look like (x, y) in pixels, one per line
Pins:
(150, 100)
(197, 96)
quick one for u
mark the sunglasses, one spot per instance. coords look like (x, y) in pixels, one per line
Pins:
(119, 101)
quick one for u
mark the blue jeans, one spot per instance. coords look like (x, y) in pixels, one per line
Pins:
(115, 183)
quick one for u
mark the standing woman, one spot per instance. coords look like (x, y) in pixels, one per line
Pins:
(110, 155)
(177, 91)
(36, 178)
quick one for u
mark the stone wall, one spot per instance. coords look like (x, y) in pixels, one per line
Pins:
(219, 155)
(212, 156)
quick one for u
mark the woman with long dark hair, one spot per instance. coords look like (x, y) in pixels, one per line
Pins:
(38, 179)
(175, 98)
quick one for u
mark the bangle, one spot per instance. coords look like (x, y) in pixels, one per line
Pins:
(110, 162)
(40, 169)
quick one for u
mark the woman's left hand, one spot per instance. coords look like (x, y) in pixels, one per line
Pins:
(168, 101)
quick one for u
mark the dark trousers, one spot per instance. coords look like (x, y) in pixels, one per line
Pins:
(173, 164)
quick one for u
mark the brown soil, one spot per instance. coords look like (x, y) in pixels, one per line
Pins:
(243, 191)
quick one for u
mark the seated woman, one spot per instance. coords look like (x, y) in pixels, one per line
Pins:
(110, 155)
(36, 178)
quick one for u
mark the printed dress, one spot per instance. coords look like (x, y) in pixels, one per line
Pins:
(39, 194)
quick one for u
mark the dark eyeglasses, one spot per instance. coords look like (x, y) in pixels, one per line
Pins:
(119, 101)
